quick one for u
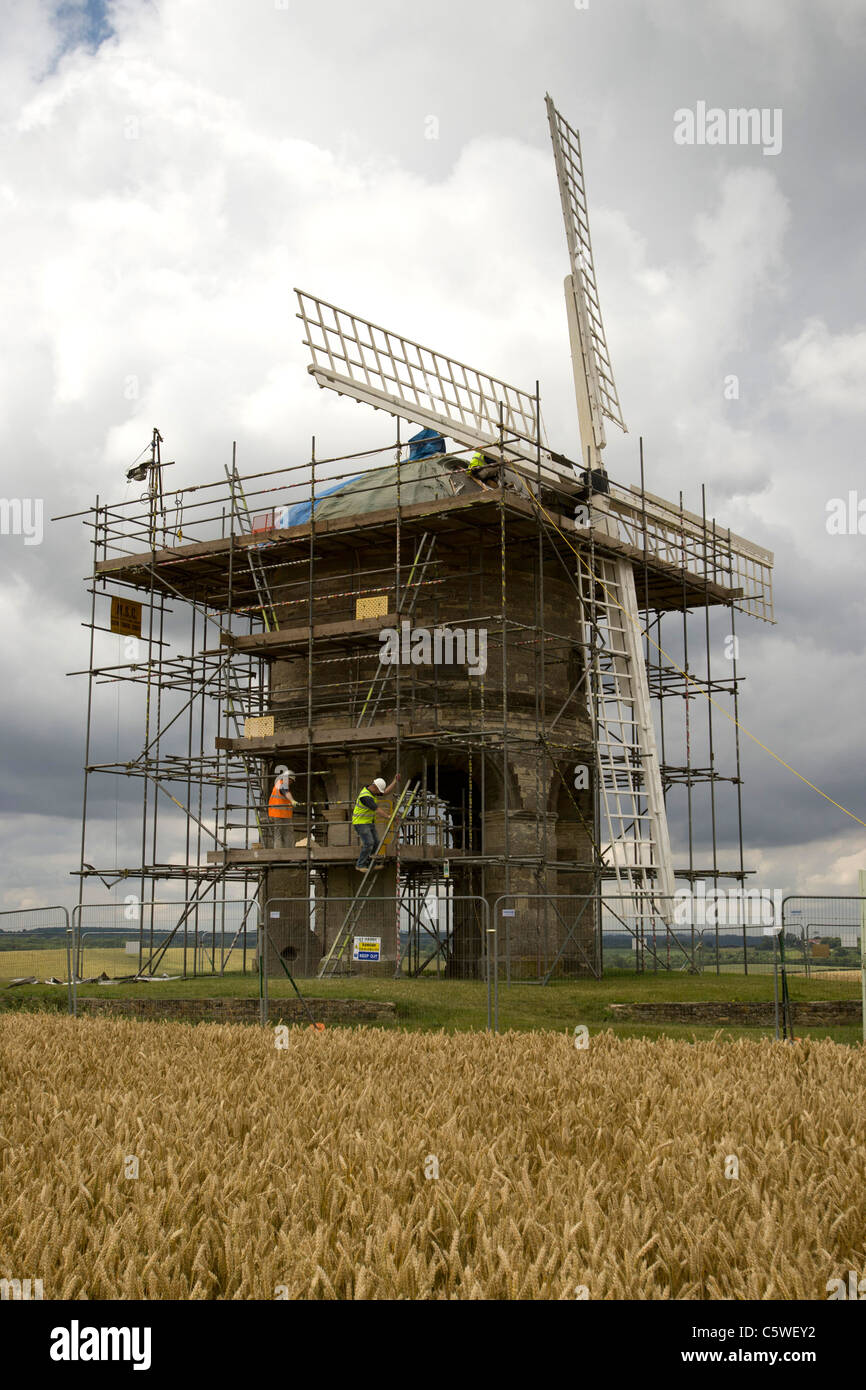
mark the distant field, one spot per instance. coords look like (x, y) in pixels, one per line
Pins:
(51, 961)
(387, 1165)
(108, 959)
(816, 972)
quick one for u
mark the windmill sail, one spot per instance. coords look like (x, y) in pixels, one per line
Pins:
(631, 801)
(593, 374)
(361, 359)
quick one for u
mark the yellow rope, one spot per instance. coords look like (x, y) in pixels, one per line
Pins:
(748, 733)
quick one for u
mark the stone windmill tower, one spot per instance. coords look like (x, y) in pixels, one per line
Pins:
(539, 776)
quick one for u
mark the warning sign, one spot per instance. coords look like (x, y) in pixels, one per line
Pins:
(367, 948)
(126, 617)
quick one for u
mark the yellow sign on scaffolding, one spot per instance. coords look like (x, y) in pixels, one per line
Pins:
(259, 726)
(126, 617)
(372, 607)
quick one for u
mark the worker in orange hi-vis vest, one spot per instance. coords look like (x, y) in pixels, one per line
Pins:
(281, 805)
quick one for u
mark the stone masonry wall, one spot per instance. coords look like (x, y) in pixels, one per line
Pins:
(241, 1010)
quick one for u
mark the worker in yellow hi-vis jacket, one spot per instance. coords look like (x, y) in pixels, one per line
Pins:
(483, 468)
(364, 817)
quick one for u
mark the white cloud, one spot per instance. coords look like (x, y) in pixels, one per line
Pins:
(825, 867)
(826, 369)
(688, 321)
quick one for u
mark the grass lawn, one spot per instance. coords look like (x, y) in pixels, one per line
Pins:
(461, 1005)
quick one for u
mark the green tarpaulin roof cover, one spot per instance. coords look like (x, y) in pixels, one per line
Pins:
(424, 480)
(421, 480)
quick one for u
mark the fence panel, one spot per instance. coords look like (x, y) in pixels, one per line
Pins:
(717, 931)
(821, 943)
(741, 949)
(418, 934)
(641, 933)
(444, 934)
(542, 935)
(148, 940)
(35, 947)
(574, 935)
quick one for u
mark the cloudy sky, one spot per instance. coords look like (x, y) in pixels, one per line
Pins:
(171, 169)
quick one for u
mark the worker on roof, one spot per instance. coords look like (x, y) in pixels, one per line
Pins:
(281, 805)
(482, 467)
(364, 816)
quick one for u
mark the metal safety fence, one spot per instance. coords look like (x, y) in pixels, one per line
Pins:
(822, 951)
(821, 942)
(36, 948)
(541, 935)
(547, 936)
(745, 949)
(148, 940)
(397, 937)
(700, 930)
(805, 952)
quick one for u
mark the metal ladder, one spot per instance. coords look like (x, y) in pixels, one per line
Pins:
(634, 828)
(241, 512)
(235, 697)
(412, 589)
(403, 805)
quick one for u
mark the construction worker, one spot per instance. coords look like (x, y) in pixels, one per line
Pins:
(281, 805)
(364, 817)
(482, 467)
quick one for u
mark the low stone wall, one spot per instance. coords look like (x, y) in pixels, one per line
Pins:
(241, 1010)
(821, 1013)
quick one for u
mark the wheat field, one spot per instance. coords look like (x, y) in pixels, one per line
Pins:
(310, 1171)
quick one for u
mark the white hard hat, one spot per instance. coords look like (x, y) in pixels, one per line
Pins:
(380, 784)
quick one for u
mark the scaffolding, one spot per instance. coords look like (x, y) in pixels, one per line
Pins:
(233, 598)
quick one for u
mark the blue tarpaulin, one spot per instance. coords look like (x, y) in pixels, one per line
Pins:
(426, 445)
(302, 511)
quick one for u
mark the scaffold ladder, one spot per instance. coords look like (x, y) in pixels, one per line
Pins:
(635, 840)
(235, 699)
(341, 941)
(241, 512)
(405, 610)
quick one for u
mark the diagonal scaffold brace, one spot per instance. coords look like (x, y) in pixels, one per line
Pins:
(314, 1023)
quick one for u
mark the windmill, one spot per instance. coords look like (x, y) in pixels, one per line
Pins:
(363, 360)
